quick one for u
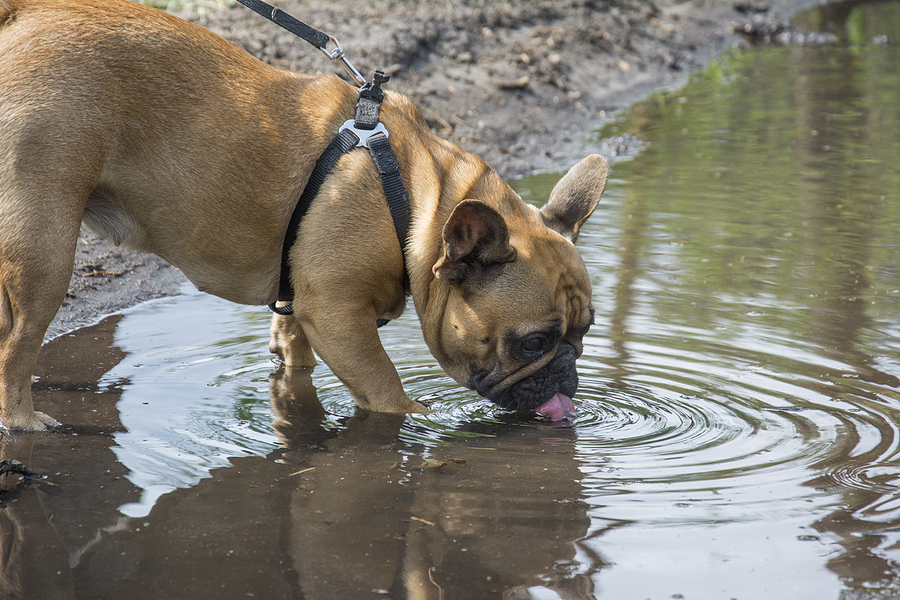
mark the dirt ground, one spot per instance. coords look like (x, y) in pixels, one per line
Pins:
(522, 83)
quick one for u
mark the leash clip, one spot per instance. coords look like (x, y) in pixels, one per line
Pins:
(363, 134)
(338, 54)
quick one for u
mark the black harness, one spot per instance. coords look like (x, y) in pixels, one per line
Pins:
(364, 131)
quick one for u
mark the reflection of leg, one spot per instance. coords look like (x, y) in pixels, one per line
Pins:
(294, 402)
(426, 546)
(288, 341)
(33, 562)
(350, 507)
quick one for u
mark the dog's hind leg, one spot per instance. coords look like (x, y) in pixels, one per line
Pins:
(37, 248)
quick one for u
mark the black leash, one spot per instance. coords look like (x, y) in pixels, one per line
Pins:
(365, 130)
(317, 38)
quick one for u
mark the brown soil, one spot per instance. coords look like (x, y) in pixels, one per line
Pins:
(522, 83)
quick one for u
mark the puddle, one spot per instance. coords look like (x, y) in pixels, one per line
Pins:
(739, 409)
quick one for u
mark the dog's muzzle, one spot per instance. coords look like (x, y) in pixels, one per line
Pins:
(549, 390)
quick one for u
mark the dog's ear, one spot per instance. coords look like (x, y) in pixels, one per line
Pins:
(575, 196)
(475, 239)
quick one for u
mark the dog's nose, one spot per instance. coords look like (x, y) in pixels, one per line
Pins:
(563, 361)
(557, 376)
(559, 365)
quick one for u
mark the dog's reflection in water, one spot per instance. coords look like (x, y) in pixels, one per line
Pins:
(492, 512)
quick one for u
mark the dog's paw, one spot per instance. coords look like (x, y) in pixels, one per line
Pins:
(418, 407)
(409, 406)
(399, 404)
(38, 422)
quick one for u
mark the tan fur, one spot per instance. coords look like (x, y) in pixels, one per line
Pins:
(162, 136)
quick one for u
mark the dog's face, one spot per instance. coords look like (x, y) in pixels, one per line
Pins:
(519, 301)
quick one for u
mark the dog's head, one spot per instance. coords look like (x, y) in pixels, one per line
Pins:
(519, 298)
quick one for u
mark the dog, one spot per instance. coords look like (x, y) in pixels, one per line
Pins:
(164, 137)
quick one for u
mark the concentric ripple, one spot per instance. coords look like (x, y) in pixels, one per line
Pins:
(770, 429)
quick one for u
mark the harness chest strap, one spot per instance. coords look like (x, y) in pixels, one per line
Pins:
(366, 131)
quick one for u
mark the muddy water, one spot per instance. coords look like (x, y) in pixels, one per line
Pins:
(739, 409)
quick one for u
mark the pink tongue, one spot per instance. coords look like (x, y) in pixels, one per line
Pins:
(558, 407)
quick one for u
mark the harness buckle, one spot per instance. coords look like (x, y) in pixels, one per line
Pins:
(363, 134)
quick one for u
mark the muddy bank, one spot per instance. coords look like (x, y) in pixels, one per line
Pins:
(521, 83)
(107, 279)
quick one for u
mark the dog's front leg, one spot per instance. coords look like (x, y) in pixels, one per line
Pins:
(288, 342)
(350, 346)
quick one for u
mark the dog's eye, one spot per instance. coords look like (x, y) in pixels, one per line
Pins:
(533, 344)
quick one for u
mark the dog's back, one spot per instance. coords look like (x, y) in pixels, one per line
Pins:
(109, 112)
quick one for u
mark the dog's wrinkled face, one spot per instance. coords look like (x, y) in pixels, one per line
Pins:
(520, 298)
(516, 340)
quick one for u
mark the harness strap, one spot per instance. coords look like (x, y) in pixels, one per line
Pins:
(395, 194)
(392, 182)
(368, 105)
(367, 109)
(345, 141)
